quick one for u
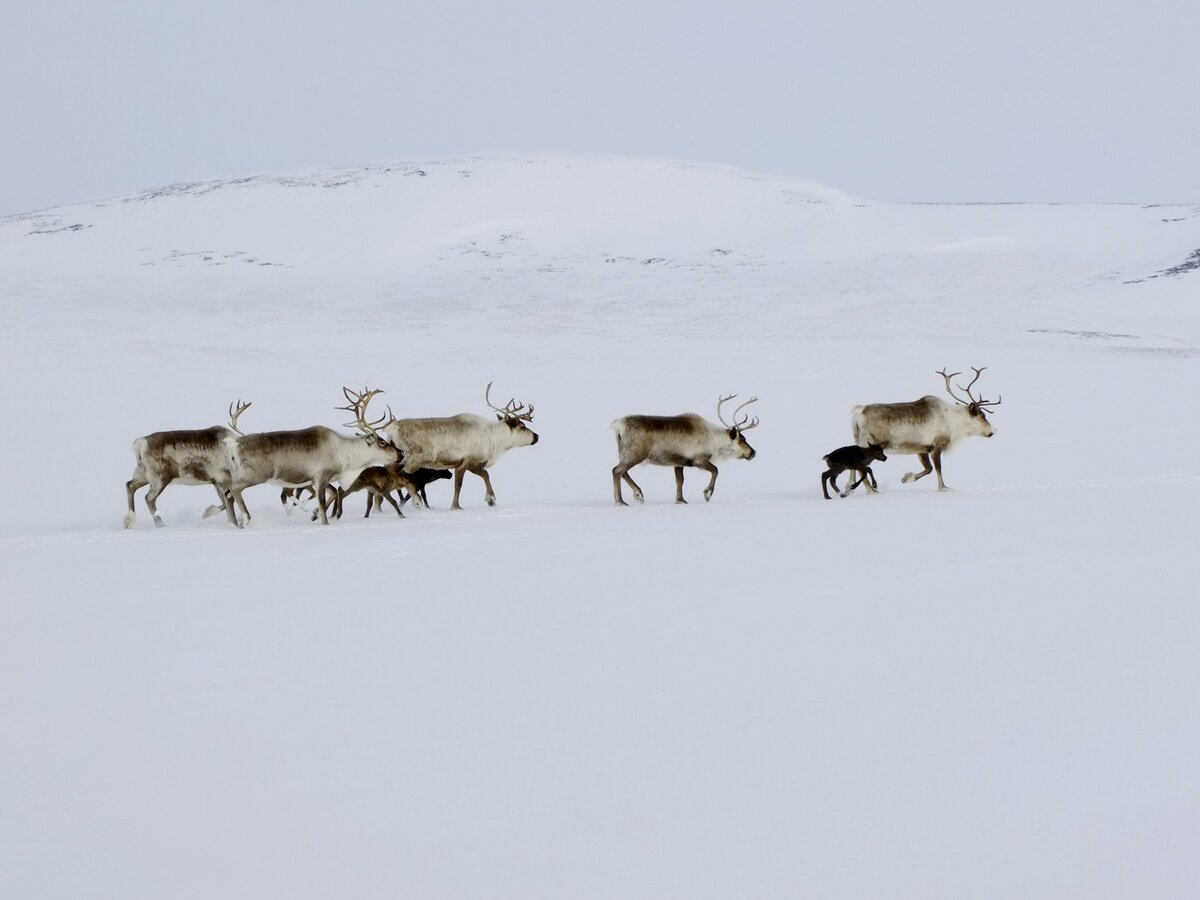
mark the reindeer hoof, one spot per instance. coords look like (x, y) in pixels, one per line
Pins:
(908, 476)
(491, 501)
(158, 523)
(680, 500)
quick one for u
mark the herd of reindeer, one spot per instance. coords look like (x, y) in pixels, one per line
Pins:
(401, 456)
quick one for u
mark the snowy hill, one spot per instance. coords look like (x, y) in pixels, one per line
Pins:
(988, 692)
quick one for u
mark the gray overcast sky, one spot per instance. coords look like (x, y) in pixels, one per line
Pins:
(894, 100)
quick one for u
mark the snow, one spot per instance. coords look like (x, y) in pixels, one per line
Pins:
(987, 692)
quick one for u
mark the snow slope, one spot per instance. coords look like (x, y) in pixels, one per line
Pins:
(989, 692)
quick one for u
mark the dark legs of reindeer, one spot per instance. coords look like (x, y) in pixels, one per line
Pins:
(831, 477)
(621, 470)
(679, 485)
(869, 477)
(865, 476)
(378, 497)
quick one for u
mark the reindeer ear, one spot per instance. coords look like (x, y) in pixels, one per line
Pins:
(973, 408)
(499, 418)
(733, 433)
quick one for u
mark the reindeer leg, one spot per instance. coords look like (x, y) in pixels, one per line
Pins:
(913, 476)
(226, 505)
(937, 465)
(459, 472)
(229, 507)
(322, 483)
(152, 498)
(827, 476)
(709, 467)
(621, 470)
(330, 503)
(872, 483)
(679, 485)
(132, 486)
(617, 474)
(387, 495)
(851, 484)
(490, 496)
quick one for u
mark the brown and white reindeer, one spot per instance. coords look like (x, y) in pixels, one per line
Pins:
(204, 456)
(464, 443)
(313, 456)
(927, 427)
(680, 441)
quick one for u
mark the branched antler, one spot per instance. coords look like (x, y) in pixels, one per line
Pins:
(359, 401)
(972, 400)
(512, 409)
(233, 415)
(721, 402)
(738, 425)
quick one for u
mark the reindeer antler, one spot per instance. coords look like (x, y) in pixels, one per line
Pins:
(978, 403)
(738, 425)
(720, 402)
(949, 390)
(233, 414)
(741, 425)
(512, 409)
(359, 401)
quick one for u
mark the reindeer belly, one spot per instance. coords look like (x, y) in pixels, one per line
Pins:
(286, 476)
(908, 446)
(671, 458)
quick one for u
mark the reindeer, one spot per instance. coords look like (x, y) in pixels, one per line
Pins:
(679, 441)
(186, 457)
(311, 456)
(926, 427)
(419, 480)
(855, 458)
(378, 482)
(464, 443)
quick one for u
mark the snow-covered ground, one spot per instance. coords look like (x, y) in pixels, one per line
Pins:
(988, 692)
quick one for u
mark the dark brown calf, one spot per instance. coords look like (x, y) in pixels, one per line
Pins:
(406, 484)
(855, 459)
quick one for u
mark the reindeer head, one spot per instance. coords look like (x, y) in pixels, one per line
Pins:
(742, 448)
(977, 408)
(368, 429)
(514, 415)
